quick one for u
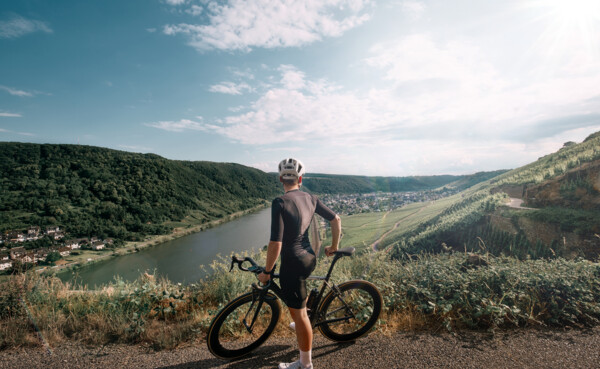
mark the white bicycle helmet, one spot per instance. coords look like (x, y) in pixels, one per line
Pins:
(291, 168)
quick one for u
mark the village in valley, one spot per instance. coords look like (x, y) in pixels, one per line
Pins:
(349, 204)
(18, 248)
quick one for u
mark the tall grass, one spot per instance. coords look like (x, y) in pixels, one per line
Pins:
(428, 292)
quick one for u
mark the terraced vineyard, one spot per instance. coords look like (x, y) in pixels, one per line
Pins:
(423, 227)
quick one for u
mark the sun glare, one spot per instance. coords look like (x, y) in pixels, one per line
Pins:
(575, 11)
(571, 27)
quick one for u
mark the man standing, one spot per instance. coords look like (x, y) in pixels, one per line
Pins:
(291, 215)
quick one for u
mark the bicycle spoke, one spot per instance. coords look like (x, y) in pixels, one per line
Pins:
(236, 331)
(349, 311)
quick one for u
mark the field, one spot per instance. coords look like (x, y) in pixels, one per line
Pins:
(362, 230)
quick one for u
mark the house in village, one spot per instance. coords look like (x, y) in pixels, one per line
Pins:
(17, 252)
(29, 258)
(5, 264)
(15, 236)
(73, 244)
(52, 230)
(42, 253)
(98, 245)
(33, 233)
(64, 251)
(58, 235)
(82, 242)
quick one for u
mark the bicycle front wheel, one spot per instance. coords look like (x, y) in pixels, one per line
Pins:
(350, 314)
(234, 332)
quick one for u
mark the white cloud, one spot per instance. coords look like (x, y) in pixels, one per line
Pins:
(195, 10)
(243, 25)
(18, 26)
(297, 109)
(175, 2)
(16, 92)
(7, 114)
(230, 88)
(292, 79)
(178, 126)
(434, 84)
(151, 30)
(414, 9)
(18, 133)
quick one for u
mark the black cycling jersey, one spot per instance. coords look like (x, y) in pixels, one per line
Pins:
(291, 215)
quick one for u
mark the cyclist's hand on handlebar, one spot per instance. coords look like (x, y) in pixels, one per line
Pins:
(264, 278)
(329, 250)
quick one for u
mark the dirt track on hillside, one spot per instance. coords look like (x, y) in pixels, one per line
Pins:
(376, 243)
(529, 348)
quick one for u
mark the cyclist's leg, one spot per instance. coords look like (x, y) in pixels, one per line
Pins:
(304, 332)
(293, 276)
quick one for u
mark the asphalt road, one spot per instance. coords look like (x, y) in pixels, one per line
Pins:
(523, 348)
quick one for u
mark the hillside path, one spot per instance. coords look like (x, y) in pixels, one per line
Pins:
(374, 244)
(523, 348)
(516, 204)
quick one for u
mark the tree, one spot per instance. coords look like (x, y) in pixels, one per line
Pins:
(52, 258)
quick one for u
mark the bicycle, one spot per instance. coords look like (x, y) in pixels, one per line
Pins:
(348, 311)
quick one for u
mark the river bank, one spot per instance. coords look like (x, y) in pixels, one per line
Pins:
(87, 257)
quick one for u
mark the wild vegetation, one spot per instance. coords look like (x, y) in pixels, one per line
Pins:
(555, 164)
(429, 292)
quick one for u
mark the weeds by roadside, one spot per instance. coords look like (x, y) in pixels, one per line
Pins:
(427, 292)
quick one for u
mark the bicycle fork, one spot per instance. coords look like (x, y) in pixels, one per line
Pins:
(258, 298)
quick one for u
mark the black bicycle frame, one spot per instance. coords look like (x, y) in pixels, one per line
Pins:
(259, 295)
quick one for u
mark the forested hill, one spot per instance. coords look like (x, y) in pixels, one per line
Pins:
(333, 184)
(97, 191)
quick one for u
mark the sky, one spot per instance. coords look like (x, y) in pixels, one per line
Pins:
(363, 87)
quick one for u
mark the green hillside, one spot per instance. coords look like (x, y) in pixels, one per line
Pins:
(340, 184)
(475, 219)
(471, 180)
(97, 191)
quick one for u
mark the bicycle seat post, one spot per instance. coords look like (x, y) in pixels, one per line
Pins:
(347, 251)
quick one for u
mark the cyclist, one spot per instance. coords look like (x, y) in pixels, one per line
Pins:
(291, 215)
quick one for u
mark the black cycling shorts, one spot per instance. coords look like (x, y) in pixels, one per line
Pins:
(292, 276)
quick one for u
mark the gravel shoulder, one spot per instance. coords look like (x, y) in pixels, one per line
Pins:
(522, 348)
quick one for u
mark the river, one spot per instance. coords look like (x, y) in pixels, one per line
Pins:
(180, 259)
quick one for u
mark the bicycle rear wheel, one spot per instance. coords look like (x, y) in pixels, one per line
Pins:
(350, 314)
(228, 335)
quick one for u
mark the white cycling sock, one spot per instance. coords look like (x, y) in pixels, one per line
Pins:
(306, 358)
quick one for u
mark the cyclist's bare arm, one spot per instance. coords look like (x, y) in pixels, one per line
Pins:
(336, 231)
(273, 251)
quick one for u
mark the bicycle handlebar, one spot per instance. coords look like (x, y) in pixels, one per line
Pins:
(254, 268)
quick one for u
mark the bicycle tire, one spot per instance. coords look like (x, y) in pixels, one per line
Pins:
(227, 336)
(365, 303)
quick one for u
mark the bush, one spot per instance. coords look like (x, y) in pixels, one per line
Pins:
(433, 290)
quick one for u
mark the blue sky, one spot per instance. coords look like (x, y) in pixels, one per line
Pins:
(389, 88)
